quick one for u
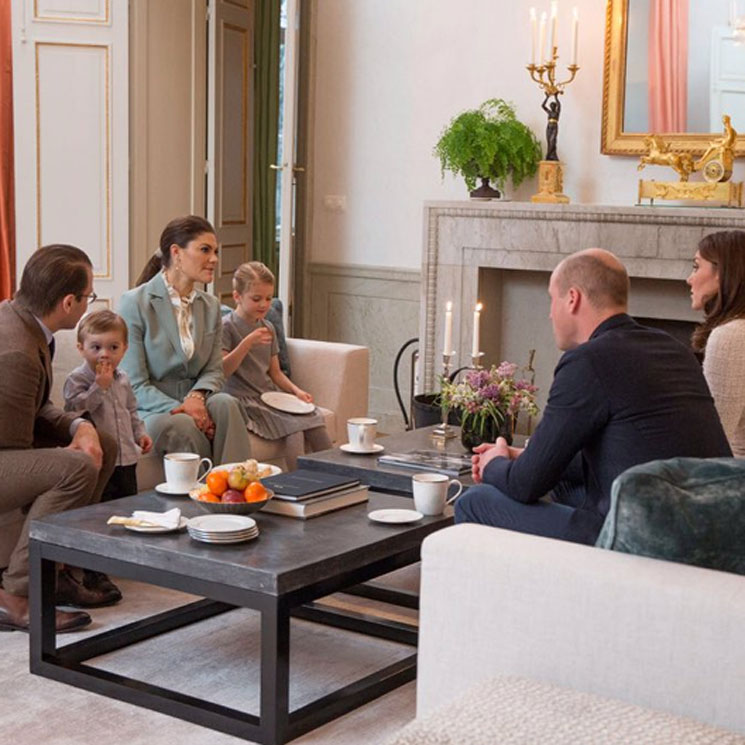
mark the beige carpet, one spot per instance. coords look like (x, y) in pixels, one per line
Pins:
(216, 659)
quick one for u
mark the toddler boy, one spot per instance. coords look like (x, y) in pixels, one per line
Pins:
(99, 387)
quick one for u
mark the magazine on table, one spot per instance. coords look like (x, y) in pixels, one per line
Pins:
(305, 483)
(451, 464)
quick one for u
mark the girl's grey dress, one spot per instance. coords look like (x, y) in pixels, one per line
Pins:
(251, 379)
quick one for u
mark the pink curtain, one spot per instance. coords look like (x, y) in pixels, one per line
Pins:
(668, 65)
(7, 209)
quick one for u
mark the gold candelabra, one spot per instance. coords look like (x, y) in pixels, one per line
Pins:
(550, 174)
(548, 69)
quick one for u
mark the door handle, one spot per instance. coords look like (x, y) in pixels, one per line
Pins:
(275, 167)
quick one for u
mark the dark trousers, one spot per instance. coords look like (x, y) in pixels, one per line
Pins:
(486, 505)
(123, 483)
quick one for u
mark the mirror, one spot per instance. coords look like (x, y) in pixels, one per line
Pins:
(709, 82)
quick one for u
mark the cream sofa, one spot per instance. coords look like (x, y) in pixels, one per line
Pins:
(655, 634)
(336, 374)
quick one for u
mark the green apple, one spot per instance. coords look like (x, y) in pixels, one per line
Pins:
(238, 478)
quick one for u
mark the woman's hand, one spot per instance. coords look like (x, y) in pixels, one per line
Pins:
(196, 408)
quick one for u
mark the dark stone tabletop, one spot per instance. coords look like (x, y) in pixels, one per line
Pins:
(288, 554)
(382, 476)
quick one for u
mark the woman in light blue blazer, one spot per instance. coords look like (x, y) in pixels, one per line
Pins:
(174, 360)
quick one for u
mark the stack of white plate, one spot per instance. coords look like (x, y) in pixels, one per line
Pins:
(219, 528)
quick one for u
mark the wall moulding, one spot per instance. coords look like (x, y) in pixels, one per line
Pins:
(461, 242)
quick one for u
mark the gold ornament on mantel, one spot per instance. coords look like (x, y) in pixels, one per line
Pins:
(543, 69)
(715, 165)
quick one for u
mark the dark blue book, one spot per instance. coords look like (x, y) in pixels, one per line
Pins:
(304, 484)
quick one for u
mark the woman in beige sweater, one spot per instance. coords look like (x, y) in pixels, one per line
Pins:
(717, 285)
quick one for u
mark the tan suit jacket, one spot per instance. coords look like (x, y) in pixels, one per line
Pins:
(26, 414)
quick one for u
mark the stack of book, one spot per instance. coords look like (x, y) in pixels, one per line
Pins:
(305, 493)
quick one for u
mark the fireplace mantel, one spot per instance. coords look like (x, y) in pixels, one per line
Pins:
(462, 239)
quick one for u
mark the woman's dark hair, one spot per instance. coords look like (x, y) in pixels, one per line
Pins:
(726, 250)
(180, 231)
(51, 273)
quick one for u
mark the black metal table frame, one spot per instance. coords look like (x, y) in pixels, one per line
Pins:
(276, 724)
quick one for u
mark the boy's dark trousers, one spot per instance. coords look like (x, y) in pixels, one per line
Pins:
(123, 483)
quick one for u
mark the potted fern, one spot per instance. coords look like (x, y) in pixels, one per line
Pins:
(488, 143)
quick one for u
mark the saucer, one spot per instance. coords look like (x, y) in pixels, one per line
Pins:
(165, 488)
(394, 516)
(347, 448)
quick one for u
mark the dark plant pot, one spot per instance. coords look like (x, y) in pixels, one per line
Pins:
(485, 191)
(426, 412)
(472, 437)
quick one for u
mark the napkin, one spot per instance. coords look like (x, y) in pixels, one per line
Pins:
(168, 519)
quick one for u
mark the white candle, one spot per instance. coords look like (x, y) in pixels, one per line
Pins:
(447, 346)
(476, 330)
(554, 23)
(575, 34)
(542, 38)
(533, 37)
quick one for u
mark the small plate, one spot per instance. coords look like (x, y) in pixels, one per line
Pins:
(287, 402)
(157, 528)
(395, 516)
(222, 523)
(165, 488)
(347, 448)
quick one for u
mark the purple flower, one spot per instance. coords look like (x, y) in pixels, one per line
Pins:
(507, 369)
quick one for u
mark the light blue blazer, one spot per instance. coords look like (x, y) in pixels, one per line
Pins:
(155, 362)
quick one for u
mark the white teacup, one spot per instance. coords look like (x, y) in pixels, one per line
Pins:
(361, 432)
(182, 470)
(431, 492)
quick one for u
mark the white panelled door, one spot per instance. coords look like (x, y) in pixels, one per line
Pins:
(70, 98)
(727, 94)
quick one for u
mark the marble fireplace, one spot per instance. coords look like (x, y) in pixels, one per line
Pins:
(501, 253)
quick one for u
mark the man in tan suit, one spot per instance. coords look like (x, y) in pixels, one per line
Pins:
(50, 460)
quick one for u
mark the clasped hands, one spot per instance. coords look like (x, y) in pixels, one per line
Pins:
(196, 408)
(487, 451)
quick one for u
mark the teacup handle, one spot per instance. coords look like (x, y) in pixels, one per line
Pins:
(207, 470)
(457, 494)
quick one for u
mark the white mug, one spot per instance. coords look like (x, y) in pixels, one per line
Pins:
(361, 432)
(182, 470)
(431, 492)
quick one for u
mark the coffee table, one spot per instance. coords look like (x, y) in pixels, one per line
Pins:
(393, 479)
(291, 564)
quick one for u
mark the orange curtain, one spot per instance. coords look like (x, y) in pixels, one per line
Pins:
(7, 201)
(668, 65)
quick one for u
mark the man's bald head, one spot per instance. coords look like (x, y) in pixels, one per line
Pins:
(600, 276)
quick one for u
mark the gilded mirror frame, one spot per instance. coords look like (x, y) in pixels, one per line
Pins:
(614, 141)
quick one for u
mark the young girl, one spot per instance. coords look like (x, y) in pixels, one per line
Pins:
(251, 365)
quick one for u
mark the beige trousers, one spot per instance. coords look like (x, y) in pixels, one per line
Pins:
(44, 481)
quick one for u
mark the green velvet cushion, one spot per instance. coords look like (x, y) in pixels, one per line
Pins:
(690, 510)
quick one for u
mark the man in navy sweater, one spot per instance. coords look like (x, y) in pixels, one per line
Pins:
(622, 394)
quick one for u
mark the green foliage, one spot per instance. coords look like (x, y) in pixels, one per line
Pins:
(489, 142)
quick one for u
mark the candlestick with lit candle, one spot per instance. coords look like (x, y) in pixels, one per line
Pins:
(533, 37)
(554, 25)
(542, 39)
(447, 346)
(475, 351)
(575, 35)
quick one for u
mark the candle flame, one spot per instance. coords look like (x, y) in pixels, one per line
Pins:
(478, 307)
(532, 14)
(449, 306)
(575, 13)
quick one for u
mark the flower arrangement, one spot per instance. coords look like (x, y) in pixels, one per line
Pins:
(489, 399)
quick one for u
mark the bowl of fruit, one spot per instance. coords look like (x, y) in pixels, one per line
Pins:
(234, 488)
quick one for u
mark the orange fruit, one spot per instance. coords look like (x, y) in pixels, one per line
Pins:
(217, 482)
(208, 496)
(255, 492)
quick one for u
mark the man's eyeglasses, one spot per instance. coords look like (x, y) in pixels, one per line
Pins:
(91, 298)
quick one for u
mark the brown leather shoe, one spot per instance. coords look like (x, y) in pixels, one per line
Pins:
(72, 591)
(11, 620)
(99, 581)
